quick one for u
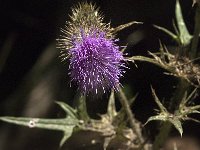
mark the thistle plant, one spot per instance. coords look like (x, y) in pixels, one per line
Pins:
(95, 59)
(96, 64)
(179, 65)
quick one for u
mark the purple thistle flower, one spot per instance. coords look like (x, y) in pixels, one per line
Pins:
(95, 60)
(95, 63)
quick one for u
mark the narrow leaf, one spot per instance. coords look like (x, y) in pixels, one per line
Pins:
(67, 134)
(157, 117)
(183, 101)
(195, 112)
(187, 98)
(132, 100)
(111, 110)
(185, 37)
(176, 29)
(177, 124)
(162, 108)
(123, 26)
(193, 109)
(51, 124)
(68, 109)
(171, 34)
(191, 95)
(82, 109)
(147, 59)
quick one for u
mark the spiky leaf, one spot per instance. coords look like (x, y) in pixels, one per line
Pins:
(82, 109)
(171, 34)
(162, 108)
(66, 125)
(68, 109)
(157, 117)
(177, 124)
(165, 117)
(67, 134)
(52, 124)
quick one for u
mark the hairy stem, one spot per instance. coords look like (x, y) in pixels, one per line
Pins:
(133, 122)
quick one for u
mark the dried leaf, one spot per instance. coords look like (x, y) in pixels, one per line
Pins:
(123, 26)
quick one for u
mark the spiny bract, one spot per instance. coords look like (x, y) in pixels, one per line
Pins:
(95, 60)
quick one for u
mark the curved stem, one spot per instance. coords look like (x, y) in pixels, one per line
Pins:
(133, 122)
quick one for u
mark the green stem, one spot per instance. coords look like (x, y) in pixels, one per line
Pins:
(196, 32)
(162, 136)
(131, 117)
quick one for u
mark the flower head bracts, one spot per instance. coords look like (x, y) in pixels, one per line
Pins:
(85, 17)
(95, 59)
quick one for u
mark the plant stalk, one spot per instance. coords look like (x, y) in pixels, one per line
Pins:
(131, 117)
(196, 34)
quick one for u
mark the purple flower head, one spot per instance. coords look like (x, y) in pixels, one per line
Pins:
(95, 63)
(95, 60)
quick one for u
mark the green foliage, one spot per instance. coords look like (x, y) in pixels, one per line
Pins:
(66, 125)
(112, 125)
(182, 36)
(164, 115)
(82, 109)
(179, 115)
(68, 109)
(111, 109)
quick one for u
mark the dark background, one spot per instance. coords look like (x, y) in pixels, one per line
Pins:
(32, 76)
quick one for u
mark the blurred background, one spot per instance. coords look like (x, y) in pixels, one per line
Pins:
(32, 76)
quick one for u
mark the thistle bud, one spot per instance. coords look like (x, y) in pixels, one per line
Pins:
(95, 60)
